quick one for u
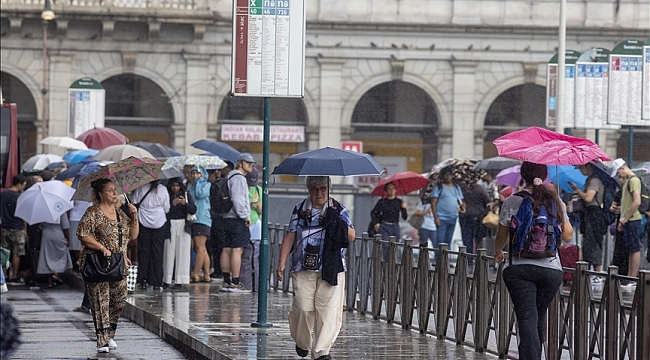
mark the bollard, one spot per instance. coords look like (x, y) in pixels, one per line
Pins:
(461, 296)
(581, 311)
(423, 289)
(377, 278)
(391, 280)
(642, 293)
(442, 303)
(611, 305)
(364, 274)
(406, 301)
(482, 303)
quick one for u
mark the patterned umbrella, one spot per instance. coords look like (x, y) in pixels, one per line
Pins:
(463, 171)
(207, 162)
(128, 174)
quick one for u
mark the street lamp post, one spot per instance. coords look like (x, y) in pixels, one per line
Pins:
(47, 15)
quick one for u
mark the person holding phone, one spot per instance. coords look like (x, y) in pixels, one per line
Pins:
(176, 253)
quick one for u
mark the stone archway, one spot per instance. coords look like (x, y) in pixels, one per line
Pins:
(15, 91)
(139, 108)
(519, 107)
(397, 122)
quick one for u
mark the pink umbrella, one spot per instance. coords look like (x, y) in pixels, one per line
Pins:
(543, 146)
(101, 138)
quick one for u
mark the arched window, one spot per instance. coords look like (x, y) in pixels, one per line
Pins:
(14, 91)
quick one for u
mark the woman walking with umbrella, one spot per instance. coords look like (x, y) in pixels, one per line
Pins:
(100, 230)
(385, 215)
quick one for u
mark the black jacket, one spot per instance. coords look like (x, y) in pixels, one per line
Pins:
(336, 238)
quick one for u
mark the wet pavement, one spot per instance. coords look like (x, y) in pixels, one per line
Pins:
(199, 322)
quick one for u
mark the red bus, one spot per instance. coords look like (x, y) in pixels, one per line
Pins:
(9, 153)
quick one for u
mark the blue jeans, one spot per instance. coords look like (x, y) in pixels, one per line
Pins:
(386, 231)
(468, 228)
(445, 232)
(531, 288)
(426, 235)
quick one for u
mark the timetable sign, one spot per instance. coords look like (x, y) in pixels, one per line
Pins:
(268, 53)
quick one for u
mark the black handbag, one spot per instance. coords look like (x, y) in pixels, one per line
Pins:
(99, 268)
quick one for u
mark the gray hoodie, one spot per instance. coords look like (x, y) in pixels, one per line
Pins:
(241, 208)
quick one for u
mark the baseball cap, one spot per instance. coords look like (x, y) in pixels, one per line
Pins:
(616, 164)
(252, 177)
(246, 157)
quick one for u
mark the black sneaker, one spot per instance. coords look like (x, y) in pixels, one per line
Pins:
(301, 352)
(15, 281)
(325, 357)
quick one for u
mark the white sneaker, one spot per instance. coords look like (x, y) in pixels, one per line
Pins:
(629, 286)
(596, 280)
(239, 288)
(3, 288)
(103, 349)
(112, 344)
(226, 287)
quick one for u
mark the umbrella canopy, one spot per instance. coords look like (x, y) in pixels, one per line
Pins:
(563, 174)
(405, 182)
(495, 164)
(220, 149)
(76, 156)
(462, 169)
(70, 172)
(169, 172)
(92, 166)
(121, 152)
(44, 202)
(644, 165)
(512, 177)
(40, 162)
(329, 161)
(205, 161)
(603, 173)
(64, 142)
(100, 138)
(128, 175)
(160, 151)
(547, 147)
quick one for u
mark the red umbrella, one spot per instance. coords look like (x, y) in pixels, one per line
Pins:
(100, 138)
(405, 182)
(548, 147)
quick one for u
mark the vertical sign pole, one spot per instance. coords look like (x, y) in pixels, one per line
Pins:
(262, 292)
(561, 70)
(630, 144)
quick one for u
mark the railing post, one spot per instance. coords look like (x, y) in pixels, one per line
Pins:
(442, 275)
(391, 280)
(643, 315)
(504, 315)
(351, 276)
(287, 269)
(423, 289)
(611, 313)
(406, 300)
(482, 304)
(364, 273)
(461, 298)
(581, 311)
(553, 319)
(377, 277)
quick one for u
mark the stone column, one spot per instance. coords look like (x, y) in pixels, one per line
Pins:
(479, 143)
(61, 76)
(444, 144)
(197, 101)
(463, 109)
(329, 114)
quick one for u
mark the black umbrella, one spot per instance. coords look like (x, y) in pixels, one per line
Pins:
(156, 149)
(329, 161)
(495, 164)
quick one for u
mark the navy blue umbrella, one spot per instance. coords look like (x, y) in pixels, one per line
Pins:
(70, 172)
(603, 173)
(156, 149)
(222, 150)
(329, 161)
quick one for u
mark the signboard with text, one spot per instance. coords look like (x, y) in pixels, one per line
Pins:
(86, 103)
(551, 89)
(293, 134)
(268, 56)
(591, 89)
(645, 113)
(356, 146)
(625, 84)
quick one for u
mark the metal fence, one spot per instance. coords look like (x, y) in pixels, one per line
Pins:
(470, 305)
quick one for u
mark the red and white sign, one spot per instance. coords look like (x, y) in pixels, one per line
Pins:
(356, 146)
(295, 134)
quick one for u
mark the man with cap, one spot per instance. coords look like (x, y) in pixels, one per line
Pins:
(630, 219)
(251, 255)
(235, 224)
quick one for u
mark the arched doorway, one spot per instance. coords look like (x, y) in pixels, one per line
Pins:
(14, 91)
(247, 115)
(516, 108)
(397, 122)
(138, 108)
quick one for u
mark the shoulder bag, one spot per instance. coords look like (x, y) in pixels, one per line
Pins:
(100, 268)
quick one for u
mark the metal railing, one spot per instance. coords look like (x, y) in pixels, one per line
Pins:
(471, 305)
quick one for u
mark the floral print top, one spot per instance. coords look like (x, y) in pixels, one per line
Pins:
(94, 223)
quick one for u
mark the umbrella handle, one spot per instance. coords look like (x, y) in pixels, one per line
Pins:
(126, 198)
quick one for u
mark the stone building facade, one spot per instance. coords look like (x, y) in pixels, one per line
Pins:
(418, 81)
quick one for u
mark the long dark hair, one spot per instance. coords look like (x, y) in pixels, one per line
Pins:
(542, 194)
(172, 182)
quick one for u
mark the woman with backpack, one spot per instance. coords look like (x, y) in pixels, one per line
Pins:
(533, 274)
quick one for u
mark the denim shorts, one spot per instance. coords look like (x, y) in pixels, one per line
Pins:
(631, 236)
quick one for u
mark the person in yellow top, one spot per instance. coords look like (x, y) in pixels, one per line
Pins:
(630, 219)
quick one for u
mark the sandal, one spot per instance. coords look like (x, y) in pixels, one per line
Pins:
(195, 279)
(81, 309)
(206, 279)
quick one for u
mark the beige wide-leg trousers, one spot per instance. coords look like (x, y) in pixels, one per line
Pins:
(317, 306)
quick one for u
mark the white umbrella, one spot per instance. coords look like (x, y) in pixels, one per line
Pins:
(120, 152)
(40, 162)
(44, 202)
(64, 142)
